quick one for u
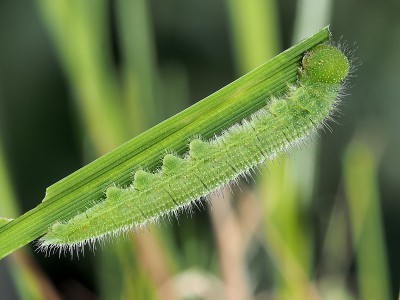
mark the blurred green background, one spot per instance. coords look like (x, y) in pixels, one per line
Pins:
(78, 78)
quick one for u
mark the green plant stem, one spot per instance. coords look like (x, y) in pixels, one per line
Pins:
(29, 281)
(363, 199)
(210, 116)
(255, 36)
(8, 203)
(139, 66)
(286, 193)
(254, 32)
(78, 29)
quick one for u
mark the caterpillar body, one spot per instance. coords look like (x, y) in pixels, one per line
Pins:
(282, 124)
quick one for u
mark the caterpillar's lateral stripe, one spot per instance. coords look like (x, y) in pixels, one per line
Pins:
(283, 123)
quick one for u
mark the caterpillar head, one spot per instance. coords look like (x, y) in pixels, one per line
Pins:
(326, 64)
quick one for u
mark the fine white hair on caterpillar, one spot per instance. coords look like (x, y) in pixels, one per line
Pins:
(181, 182)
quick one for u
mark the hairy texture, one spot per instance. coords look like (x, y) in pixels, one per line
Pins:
(282, 124)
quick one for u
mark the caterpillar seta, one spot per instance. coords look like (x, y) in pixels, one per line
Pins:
(284, 123)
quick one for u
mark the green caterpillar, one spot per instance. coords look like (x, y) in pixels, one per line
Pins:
(284, 123)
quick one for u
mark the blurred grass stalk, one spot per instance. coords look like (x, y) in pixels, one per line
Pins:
(255, 33)
(139, 73)
(255, 39)
(231, 247)
(80, 33)
(311, 15)
(287, 190)
(362, 191)
(29, 281)
(287, 193)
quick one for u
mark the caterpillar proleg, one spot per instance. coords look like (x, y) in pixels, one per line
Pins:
(284, 123)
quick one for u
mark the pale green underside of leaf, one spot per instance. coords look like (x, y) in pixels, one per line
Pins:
(208, 117)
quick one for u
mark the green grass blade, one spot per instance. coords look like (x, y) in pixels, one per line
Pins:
(78, 30)
(254, 31)
(206, 118)
(139, 73)
(362, 191)
(255, 36)
(8, 204)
